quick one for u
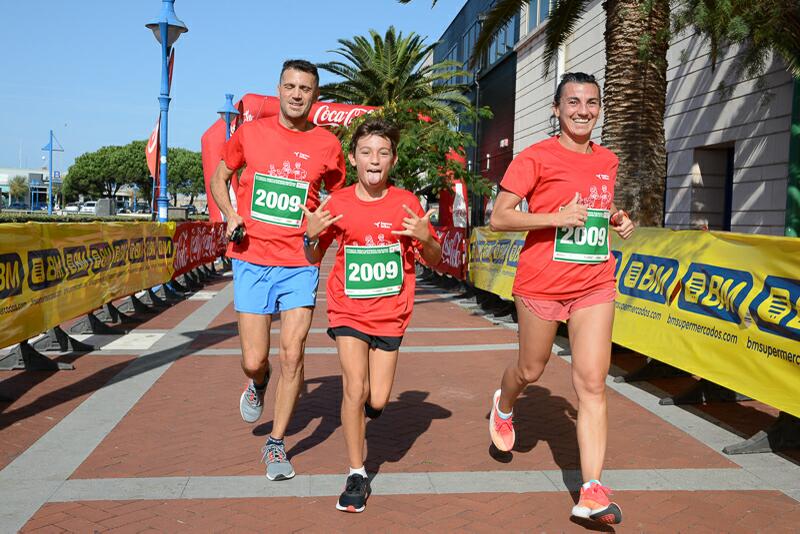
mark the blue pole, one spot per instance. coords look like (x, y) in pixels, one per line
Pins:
(50, 182)
(227, 125)
(163, 99)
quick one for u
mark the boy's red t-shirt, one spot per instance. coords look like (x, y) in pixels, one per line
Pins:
(267, 147)
(548, 175)
(370, 223)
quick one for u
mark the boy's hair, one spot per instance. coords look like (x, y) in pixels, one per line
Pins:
(377, 127)
(301, 65)
(575, 77)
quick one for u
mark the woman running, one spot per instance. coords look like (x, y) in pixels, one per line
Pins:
(565, 273)
(371, 286)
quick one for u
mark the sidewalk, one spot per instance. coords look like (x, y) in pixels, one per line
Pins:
(145, 435)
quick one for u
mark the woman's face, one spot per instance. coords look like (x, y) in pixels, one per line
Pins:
(578, 110)
(373, 159)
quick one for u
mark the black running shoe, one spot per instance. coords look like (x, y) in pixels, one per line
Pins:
(371, 412)
(355, 494)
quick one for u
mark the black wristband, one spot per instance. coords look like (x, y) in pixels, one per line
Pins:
(308, 242)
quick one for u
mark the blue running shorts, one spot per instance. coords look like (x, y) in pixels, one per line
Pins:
(266, 290)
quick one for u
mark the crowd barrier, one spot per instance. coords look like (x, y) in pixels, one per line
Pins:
(719, 305)
(52, 273)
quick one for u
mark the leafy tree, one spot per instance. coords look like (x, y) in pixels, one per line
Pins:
(390, 69)
(103, 172)
(185, 174)
(422, 164)
(18, 188)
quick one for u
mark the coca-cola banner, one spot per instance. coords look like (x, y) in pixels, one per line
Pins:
(252, 107)
(197, 243)
(454, 252)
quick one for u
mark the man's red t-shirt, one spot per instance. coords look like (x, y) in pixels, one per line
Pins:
(295, 161)
(548, 175)
(370, 224)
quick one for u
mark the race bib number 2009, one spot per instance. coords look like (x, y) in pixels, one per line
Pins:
(372, 271)
(277, 200)
(584, 244)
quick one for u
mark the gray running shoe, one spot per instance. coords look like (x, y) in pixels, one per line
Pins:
(278, 466)
(251, 403)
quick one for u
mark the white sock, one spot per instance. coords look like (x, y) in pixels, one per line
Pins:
(587, 485)
(360, 471)
(503, 415)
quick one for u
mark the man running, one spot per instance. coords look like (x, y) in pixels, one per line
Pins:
(285, 160)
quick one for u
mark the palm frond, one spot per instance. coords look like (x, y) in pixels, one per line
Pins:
(502, 12)
(563, 18)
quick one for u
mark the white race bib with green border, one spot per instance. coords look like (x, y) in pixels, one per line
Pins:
(372, 271)
(277, 200)
(584, 244)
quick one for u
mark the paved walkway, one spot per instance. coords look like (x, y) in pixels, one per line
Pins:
(145, 435)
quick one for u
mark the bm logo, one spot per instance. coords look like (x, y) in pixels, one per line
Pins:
(777, 308)
(648, 277)
(714, 291)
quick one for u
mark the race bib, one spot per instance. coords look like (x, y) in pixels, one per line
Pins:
(372, 271)
(277, 200)
(584, 244)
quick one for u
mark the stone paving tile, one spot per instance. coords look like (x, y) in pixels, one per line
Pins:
(654, 511)
(743, 418)
(43, 398)
(436, 421)
(167, 318)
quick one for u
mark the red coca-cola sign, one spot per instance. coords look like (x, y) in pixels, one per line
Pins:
(197, 243)
(454, 252)
(330, 114)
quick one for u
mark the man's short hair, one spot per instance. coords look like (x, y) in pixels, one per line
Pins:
(301, 65)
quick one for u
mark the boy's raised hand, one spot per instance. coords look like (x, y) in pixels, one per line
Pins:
(317, 221)
(415, 226)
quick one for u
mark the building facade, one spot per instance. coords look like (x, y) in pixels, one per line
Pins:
(491, 84)
(727, 136)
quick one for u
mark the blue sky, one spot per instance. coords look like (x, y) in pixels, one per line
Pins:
(90, 70)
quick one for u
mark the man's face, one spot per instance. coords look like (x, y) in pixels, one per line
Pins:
(297, 91)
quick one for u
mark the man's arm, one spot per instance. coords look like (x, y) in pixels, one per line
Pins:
(220, 183)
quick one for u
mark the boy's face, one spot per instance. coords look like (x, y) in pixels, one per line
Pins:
(373, 159)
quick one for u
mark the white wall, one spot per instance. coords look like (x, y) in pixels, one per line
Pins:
(753, 120)
(583, 52)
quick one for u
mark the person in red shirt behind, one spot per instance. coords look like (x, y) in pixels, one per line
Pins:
(371, 286)
(565, 273)
(284, 159)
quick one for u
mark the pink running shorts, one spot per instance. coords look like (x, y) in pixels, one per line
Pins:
(560, 310)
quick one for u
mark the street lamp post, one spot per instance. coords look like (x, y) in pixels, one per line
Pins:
(166, 28)
(49, 147)
(225, 113)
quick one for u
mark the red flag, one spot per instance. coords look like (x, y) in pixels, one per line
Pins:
(152, 150)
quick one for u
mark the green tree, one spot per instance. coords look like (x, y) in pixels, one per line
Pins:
(637, 36)
(185, 174)
(103, 172)
(390, 70)
(18, 188)
(422, 163)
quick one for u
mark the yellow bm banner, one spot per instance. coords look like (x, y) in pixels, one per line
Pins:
(723, 306)
(53, 272)
(493, 258)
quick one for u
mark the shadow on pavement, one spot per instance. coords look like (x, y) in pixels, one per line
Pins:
(390, 437)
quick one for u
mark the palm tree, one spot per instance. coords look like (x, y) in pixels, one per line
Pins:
(636, 41)
(389, 71)
(635, 88)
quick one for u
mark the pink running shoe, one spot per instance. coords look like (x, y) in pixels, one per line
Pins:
(501, 430)
(594, 504)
